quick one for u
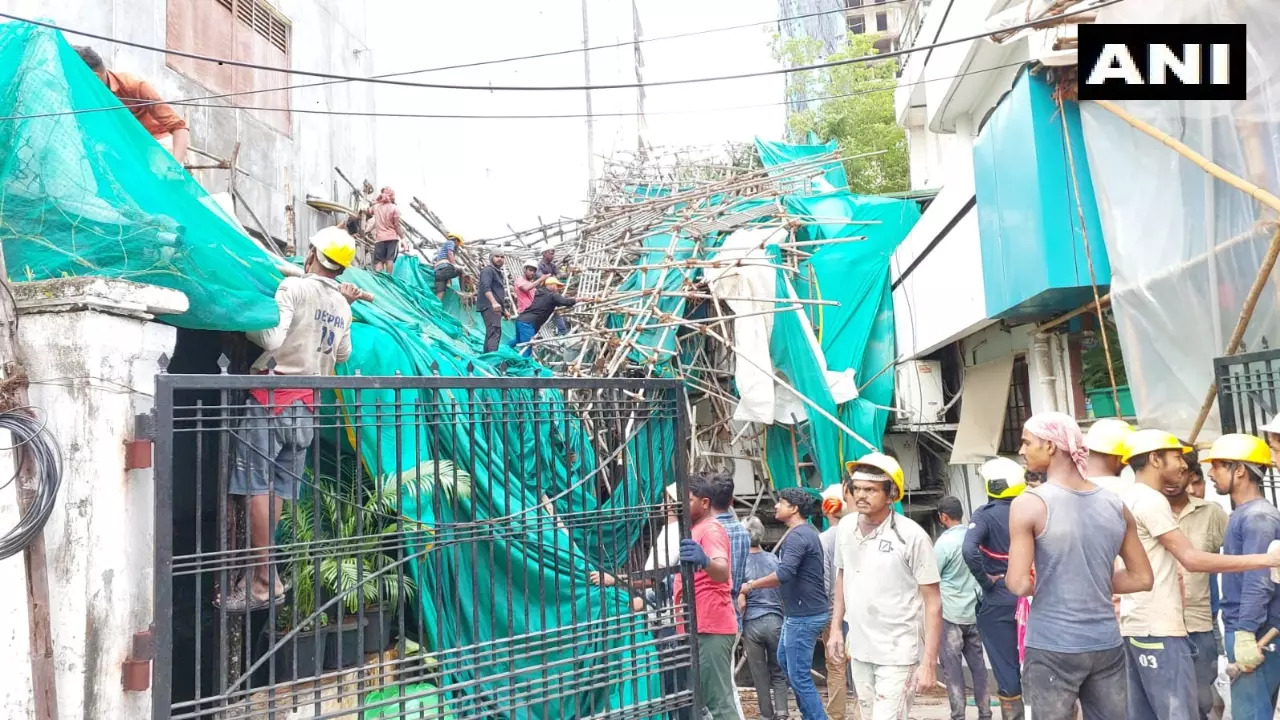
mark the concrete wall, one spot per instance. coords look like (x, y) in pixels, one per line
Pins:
(328, 36)
(91, 354)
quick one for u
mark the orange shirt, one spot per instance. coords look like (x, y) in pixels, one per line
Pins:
(159, 119)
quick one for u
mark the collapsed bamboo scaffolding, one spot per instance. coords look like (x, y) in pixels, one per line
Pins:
(645, 255)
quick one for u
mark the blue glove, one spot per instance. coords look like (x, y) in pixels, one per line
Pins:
(692, 553)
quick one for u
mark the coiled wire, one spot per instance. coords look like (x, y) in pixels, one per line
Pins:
(31, 440)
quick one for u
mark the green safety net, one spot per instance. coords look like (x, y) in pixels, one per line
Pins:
(519, 445)
(773, 154)
(89, 192)
(858, 333)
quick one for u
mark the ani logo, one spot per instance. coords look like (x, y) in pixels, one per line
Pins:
(1162, 62)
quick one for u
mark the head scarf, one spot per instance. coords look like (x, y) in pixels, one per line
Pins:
(387, 196)
(1061, 430)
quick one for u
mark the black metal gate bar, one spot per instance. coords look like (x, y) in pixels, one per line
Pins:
(410, 490)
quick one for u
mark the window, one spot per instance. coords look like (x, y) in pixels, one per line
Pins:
(853, 3)
(882, 21)
(245, 30)
(857, 24)
(1018, 409)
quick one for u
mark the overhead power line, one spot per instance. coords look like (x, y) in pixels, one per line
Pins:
(194, 102)
(566, 88)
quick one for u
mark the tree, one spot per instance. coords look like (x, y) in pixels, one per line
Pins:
(852, 104)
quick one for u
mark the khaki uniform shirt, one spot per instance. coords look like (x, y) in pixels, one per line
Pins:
(883, 572)
(1204, 523)
(1157, 612)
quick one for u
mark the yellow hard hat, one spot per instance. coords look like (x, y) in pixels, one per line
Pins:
(1238, 447)
(1003, 478)
(454, 237)
(885, 464)
(335, 245)
(1141, 442)
(1107, 436)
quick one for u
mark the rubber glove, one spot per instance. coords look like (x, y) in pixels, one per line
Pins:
(692, 553)
(1248, 656)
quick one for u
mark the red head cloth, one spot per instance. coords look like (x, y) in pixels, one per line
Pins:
(1061, 430)
(388, 195)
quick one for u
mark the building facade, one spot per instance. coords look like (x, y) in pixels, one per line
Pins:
(272, 126)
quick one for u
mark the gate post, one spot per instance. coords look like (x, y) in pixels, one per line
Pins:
(90, 347)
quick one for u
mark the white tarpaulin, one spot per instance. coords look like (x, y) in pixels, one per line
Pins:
(750, 289)
(1185, 247)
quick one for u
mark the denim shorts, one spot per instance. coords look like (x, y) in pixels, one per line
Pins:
(269, 451)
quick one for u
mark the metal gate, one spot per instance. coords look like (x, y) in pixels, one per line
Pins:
(1249, 396)
(446, 547)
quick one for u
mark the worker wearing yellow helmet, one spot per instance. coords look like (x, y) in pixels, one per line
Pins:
(445, 263)
(1158, 654)
(312, 335)
(1250, 603)
(1105, 443)
(986, 552)
(891, 554)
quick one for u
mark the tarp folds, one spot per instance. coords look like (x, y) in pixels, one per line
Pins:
(826, 177)
(1179, 278)
(91, 193)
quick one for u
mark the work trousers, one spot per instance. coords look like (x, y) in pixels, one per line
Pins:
(1206, 663)
(838, 680)
(761, 639)
(962, 643)
(715, 675)
(795, 655)
(1161, 675)
(492, 328)
(1253, 694)
(885, 692)
(524, 333)
(999, 632)
(1054, 681)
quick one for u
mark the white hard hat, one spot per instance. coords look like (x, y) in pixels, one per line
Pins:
(1271, 427)
(531, 264)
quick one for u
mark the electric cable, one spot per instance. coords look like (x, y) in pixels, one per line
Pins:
(33, 442)
(194, 102)
(570, 88)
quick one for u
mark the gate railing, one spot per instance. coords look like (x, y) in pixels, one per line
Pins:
(419, 547)
(1249, 395)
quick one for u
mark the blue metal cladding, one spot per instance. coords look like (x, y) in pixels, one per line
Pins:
(1033, 253)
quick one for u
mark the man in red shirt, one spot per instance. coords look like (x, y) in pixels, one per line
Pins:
(708, 552)
(165, 125)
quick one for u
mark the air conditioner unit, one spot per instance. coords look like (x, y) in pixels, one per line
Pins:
(918, 387)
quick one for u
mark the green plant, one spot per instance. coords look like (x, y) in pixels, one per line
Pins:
(1093, 359)
(857, 111)
(368, 519)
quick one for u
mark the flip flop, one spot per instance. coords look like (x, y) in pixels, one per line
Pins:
(240, 602)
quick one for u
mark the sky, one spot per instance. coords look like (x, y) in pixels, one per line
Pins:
(482, 176)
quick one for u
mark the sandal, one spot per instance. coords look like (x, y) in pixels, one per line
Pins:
(240, 602)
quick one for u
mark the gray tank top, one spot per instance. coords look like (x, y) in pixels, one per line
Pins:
(1072, 610)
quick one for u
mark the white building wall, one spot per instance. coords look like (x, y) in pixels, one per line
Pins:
(327, 35)
(91, 353)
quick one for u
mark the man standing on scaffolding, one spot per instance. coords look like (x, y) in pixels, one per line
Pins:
(271, 444)
(491, 300)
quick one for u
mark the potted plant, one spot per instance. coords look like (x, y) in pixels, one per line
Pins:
(359, 572)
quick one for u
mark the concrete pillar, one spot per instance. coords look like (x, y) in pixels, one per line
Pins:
(90, 347)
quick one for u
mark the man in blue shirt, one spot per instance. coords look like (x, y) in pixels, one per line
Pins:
(802, 576)
(739, 538)
(1250, 604)
(547, 269)
(986, 552)
(960, 593)
(445, 263)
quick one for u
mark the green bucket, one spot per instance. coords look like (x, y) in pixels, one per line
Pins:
(1104, 405)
